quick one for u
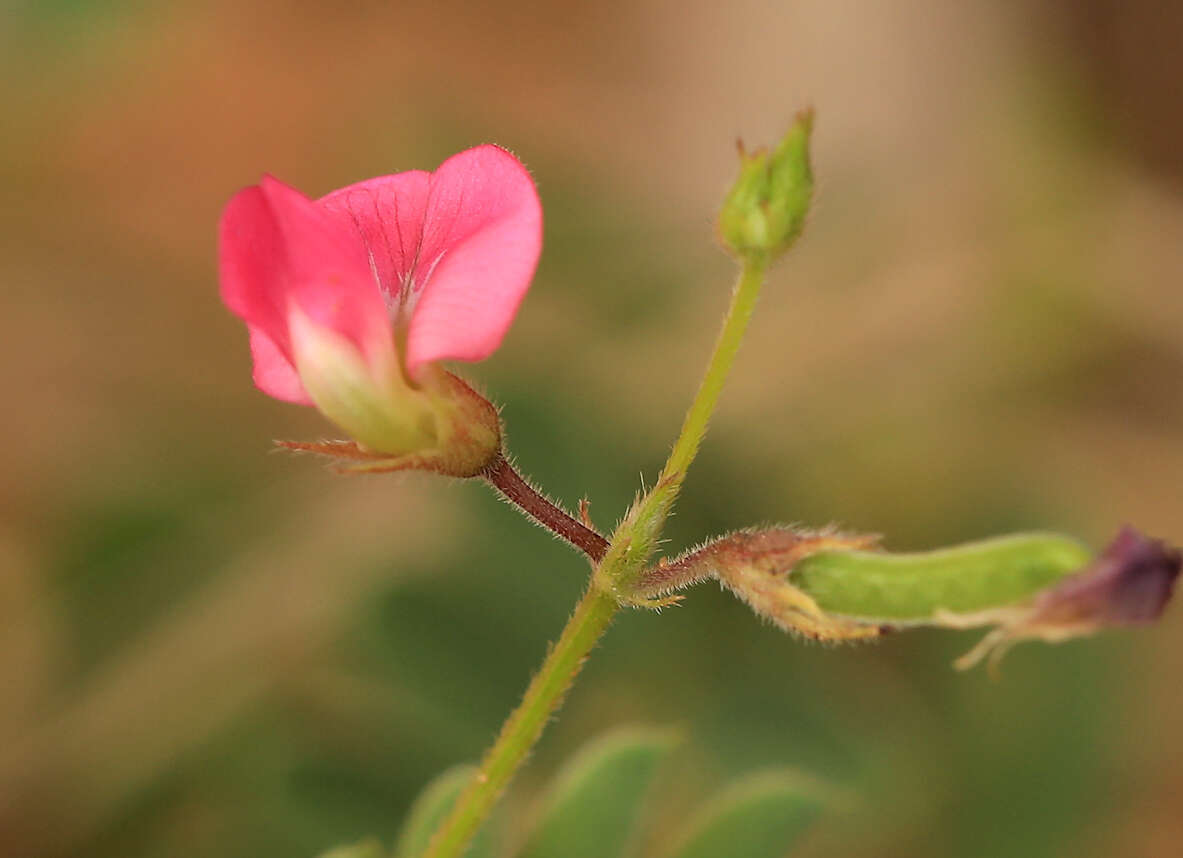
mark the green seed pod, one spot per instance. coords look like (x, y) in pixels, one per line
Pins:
(906, 589)
(831, 587)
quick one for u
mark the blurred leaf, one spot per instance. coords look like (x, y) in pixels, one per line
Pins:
(593, 803)
(759, 816)
(364, 849)
(429, 811)
(108, 559)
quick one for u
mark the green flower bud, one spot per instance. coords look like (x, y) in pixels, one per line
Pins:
(765, 210)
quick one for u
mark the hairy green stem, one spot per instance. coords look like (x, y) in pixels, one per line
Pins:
(631, 547)
(694, 427)
(519, 733)
(637, 536)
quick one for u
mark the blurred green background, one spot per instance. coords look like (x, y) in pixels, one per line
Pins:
(207, 649)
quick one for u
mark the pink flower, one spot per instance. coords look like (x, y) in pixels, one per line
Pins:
(352, 299)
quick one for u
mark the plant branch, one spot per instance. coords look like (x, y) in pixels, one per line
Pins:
(637, 536)
(618, 565)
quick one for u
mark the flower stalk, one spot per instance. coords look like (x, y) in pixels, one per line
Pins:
(517, 490)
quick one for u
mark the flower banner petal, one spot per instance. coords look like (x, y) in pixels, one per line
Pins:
(482, 237)
(386, 213)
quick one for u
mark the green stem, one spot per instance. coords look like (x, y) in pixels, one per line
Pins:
(694, 427)
(637, 536)
(587, 624)
(631, 546)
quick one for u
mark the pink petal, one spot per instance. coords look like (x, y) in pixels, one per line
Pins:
(278, 249)
(482, 238)
(250, 248)
(274, 373)
(387, 213)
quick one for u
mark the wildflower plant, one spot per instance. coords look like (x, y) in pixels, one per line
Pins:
(354, 302)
